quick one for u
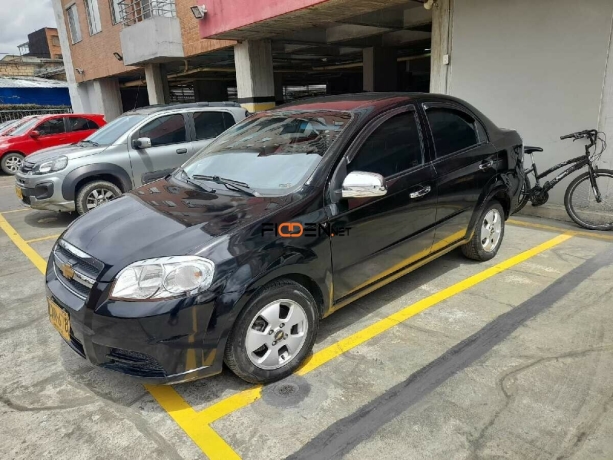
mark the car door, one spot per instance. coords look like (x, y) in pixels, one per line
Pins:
(169, 148)
(207, 126)
(78, 128)
(384, 234)
(465, 162)
(51, 132)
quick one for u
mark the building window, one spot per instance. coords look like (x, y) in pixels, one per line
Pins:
(73, 24)
(55, 40)
(115, 11)
(93, 16)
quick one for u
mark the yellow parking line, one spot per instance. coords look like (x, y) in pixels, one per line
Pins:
(16, 210)
(16, 238)
(197, 424)
(43, 238)
(593, 234)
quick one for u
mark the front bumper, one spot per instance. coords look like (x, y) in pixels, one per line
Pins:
(161, 342)
(43, 192)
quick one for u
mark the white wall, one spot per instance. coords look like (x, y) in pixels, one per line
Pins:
(537, 67)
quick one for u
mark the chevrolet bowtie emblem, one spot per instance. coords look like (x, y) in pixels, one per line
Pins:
(67, 271)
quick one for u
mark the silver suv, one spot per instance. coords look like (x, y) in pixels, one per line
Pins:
(140, 146)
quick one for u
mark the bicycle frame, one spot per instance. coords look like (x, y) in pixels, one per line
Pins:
(579, 162)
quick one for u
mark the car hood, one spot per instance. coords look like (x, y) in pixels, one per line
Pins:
(164, 219)
(72, 151)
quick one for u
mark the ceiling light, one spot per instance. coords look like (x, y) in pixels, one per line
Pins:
(199, 11)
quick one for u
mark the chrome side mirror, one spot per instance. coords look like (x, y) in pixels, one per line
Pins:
(141, 143)
(360, 184)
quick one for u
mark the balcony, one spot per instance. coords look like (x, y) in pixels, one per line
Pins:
(151, 32)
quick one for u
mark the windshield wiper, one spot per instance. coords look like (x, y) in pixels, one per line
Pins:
(185, 177)
(85, 141)
(230, 184)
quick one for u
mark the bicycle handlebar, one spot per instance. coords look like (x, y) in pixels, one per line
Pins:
(588, 133)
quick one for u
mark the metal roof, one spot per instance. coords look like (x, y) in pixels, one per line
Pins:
(30, 82)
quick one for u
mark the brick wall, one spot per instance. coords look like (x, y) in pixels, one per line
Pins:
(25, 69)
(54, 43)
(192, 43)
(94, 54)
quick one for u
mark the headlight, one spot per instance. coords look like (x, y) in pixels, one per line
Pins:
(57, 164)
(163, 278)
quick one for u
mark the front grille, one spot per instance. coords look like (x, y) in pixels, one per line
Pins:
(84, 270)
(134, 363)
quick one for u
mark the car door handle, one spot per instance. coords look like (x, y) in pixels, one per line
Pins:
(181, 151)
(487, 164)
(421, 192)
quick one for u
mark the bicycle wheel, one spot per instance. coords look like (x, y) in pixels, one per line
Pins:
(524, 196)
(581, 204)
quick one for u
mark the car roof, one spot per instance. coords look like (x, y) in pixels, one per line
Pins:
(351, 102)
(194, 105)
(48, 116)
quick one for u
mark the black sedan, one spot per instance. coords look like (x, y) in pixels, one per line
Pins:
(282, 220)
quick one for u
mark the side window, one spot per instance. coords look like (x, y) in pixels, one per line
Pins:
(169, 129)
(393, 147)
(49, 127)
(81, 124)
(228, 120)
(209, 124)
(452, 130)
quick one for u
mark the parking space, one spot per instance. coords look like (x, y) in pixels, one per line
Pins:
(509, 358)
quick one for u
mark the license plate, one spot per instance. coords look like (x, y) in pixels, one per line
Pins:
(19, 193)
(60, 319)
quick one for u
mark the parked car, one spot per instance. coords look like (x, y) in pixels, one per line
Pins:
(14, 124)
(282, 220)
(140, 146)
(42, 132)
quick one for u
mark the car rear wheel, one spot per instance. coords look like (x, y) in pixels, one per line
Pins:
(11, 162)
(488, 235)
(94, 194)
(273, 334)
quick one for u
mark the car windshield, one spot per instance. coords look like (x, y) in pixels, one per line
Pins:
(272, 153)
(114, 130)
(24, 127)
(7, 125)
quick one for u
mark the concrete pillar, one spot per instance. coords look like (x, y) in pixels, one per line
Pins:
(279, 96)
(254, 75)
(605, 118)
(75, 97)
(156, 80)
(441, 47)
(211, 90)
(380, 69)
(108, 97)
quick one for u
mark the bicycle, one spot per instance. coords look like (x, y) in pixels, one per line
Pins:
(589, 197)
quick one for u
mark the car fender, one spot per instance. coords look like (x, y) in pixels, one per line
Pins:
(499, 184)
(71, 180)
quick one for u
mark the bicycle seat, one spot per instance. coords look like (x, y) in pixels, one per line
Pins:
(528, 149)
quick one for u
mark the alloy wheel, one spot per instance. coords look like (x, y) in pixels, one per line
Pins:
(491, 229)
(98, 196)
(13, 163)
(276, 334)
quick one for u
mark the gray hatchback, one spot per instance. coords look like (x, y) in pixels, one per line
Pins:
(140, 146)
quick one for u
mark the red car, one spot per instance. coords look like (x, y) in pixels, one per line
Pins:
(42, 132)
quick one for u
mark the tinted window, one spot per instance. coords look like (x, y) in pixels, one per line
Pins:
(81, 124)
(49, 127)
(393, 147)
(452, 130)
(169, 129)
(228, 120)
(209, 124)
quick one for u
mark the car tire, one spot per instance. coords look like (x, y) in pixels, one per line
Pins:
(294, 327)
(488, 234)
(11, 162)
(93, 194)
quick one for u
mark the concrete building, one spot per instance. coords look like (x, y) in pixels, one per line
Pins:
(542, 68)
(43, 43)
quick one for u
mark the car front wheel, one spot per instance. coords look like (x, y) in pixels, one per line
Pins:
(273, 334)
(94, 194)
(488, 235)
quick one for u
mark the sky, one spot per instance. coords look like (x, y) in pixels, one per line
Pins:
(18, 18)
